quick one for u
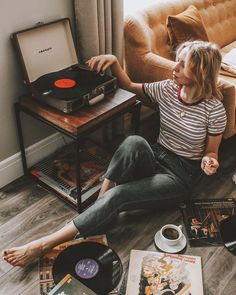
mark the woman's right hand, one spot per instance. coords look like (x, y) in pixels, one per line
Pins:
(101, 62)
(209, 165)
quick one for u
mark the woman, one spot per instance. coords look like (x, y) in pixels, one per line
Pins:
(192, 120)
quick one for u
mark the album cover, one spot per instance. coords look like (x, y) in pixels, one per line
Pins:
(59, 169)
(69, 286)
(163, 273)
(46, 262)
(93, 164)
(202, 219)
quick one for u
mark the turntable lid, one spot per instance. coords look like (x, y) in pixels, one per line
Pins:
(46, 48)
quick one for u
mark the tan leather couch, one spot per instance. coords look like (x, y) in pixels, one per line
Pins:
(149, 57)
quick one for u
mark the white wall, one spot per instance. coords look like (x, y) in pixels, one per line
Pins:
(17, 15)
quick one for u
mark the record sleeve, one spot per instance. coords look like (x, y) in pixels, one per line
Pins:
(58, 170)
(163, 273)
(228, 233)
(71, 286)
(202, 219)
(61, 166)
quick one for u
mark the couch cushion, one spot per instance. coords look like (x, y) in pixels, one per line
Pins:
(185, 26)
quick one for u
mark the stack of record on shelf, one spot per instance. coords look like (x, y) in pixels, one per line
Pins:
(59, 170)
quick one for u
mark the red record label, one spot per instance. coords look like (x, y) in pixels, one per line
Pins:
(65, 83)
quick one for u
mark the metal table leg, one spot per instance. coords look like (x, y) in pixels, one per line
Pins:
(20, 137)
(78, 179)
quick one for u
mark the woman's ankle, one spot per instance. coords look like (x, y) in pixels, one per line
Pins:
(106, 185)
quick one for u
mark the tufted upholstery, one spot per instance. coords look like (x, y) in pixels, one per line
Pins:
(149, 57)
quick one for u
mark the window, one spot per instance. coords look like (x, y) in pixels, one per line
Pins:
(130, 6)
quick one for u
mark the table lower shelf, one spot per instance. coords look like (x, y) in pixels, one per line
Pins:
(77, 126)
(87, 198)
(58, 172)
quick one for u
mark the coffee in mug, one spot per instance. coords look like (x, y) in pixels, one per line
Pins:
(171, 234)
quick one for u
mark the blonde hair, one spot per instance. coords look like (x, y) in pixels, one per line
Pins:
(203, 61)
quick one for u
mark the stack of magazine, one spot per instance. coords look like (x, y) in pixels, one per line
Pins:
(229, 63)
(58, 170)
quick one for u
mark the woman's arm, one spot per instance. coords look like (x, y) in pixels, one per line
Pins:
(210, 162)
(101, 62)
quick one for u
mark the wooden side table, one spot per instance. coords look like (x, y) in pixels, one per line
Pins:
(77, 125)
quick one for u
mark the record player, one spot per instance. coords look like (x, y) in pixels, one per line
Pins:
(52, 71)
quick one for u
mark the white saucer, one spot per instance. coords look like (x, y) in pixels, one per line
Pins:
(169, 249)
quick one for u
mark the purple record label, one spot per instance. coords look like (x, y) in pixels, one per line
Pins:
(86, 268)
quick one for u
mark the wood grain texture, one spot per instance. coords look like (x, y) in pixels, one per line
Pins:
(18, 280)
(87, 117)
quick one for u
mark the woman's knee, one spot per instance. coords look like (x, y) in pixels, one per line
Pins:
(114, 198)
(136, 143)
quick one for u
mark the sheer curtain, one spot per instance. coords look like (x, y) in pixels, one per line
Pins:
(99, 27)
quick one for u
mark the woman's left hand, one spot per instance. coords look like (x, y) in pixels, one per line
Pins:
(209, 165)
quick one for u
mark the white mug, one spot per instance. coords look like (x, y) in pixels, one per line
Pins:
(171, 234)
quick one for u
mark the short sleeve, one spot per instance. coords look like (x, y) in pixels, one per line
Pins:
(217, 119)
(155, 91)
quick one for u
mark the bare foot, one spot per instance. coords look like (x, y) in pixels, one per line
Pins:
(23, 255)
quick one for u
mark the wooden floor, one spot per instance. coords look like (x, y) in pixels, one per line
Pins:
(27, 211)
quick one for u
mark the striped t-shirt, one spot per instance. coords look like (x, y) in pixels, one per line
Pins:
(185, 135)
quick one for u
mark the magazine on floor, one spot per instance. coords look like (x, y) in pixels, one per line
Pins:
(163, 273)
(229, 61)
(46, 262)
(202, 219)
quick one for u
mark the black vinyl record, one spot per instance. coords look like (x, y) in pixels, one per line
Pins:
(46, 85)
(228, 233)
(95, 265)
(84, 81)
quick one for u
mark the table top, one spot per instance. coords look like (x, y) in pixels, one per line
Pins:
(83, 119)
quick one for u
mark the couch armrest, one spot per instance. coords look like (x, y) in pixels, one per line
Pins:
(142, 63)
(158, 67)
(155, 68)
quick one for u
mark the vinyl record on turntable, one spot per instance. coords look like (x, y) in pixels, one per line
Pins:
(61, 85)
(95, 265)
(68, 83)
(228, 233)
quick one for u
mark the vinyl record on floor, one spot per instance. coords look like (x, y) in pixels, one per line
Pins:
(95, 265)
(228, 233)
